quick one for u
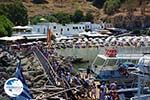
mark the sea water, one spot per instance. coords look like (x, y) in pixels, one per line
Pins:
(90, 53)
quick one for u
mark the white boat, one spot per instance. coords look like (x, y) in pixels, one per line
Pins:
(134, 81)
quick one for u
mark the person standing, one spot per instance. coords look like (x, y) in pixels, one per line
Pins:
(88, 71)
(102, 93)
(113, 91)
(93, 91)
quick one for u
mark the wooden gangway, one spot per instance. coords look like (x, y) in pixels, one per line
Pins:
(46, 65)
(52, 75)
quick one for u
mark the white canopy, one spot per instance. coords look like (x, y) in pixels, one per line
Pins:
(22, 27)
(12, 38)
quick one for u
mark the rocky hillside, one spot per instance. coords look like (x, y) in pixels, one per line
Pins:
(127, 13)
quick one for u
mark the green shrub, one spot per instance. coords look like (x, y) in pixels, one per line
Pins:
(98, 3)
(89, 17)
(78, 16)
(15, 11)
(63, 18)
(52, 19)
(111, 6)
(5, 26)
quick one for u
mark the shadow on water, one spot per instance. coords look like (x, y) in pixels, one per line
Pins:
(86, 53)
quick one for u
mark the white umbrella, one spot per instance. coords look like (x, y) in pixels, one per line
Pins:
(78, 42)
(69, 41)
(12, 38)
(100, 40)
(113, 40)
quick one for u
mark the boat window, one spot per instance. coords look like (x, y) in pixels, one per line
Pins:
(99, 61)
(112, 62)
(120, 61)
(112, 72)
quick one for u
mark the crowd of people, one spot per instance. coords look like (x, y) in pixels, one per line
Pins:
(108, 91)
(89, 88)
(64, 68)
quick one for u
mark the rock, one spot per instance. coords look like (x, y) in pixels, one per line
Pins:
(3, 69)
(38, 77)
(11, 69)
(4, 75)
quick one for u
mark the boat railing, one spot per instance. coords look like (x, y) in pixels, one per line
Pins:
(142, 97)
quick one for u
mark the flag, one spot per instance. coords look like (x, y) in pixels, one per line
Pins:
(25, 95)
(49, 36)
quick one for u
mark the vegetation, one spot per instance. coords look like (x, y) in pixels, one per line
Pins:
(78, 16)
(122, 13)
(39, 1)
(36, 19)
(111, 6)
(15, 11)
(141, 32)
(62, 18)
(89, 17)
(65, 18)
(51, 18)
(5, 26)
(98, 3)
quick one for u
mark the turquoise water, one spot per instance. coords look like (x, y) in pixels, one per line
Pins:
(85, 53)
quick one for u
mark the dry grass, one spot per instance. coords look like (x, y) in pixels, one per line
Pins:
(70, 6)
(53, 7)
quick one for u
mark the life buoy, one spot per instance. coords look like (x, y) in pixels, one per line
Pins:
(111, 52)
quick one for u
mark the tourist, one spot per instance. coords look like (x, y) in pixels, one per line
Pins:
(114, 95)
(103, 89)
(87, 86)
(88, 71)
(77, 79)
(113, 85)
(93, 91)
(113, 91)
(68, 77)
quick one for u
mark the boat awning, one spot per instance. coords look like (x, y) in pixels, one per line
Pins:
(122, 56)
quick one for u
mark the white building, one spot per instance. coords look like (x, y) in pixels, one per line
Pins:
(58, 29)
(67, 29)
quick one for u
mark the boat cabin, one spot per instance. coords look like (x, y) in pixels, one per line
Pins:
(106, 66)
